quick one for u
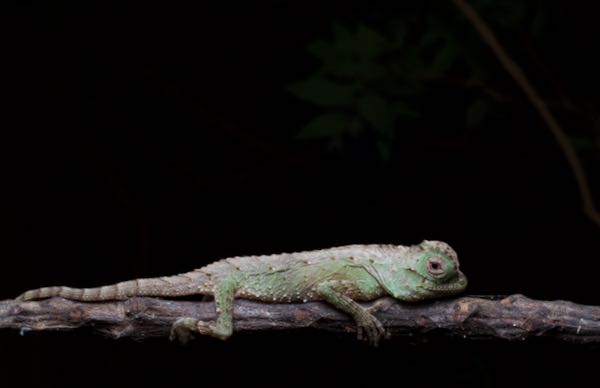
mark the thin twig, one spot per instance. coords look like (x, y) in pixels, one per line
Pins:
(559, 134)
(511, 318)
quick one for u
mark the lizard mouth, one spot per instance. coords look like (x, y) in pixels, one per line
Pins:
(451, 287)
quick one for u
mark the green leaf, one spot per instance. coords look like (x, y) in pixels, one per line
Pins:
(582, 143)
(354, 127)
(325, 125)
(399, 33)
(385, 148)
(400, 108)
(538, 23)
(324, 92)
(344, 39)
(478, 72)
(369, 42)
(444, 58)
(429, 38)
(321, 50)
(476, 112)
(376, 111)
(504, 14)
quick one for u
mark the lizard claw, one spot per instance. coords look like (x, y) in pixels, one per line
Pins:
(182, 330)
(370, 330)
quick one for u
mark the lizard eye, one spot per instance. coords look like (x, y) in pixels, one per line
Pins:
(435, 266)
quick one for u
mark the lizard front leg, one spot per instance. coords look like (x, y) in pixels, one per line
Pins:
(224, 294)
(368, 327)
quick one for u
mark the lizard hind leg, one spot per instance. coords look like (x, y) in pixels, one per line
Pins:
(224, 293)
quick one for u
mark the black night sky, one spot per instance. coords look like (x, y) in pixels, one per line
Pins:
(147, 139)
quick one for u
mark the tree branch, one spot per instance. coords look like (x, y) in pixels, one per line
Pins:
(559, 134)
(512, 318)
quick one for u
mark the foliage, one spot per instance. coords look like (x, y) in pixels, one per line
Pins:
(375, 79)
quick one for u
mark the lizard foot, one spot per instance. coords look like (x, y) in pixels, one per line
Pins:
(182, 330)
(369, 329)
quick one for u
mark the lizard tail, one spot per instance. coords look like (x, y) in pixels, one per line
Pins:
(190, 283)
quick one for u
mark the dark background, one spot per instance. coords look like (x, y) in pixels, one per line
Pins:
(142, 140)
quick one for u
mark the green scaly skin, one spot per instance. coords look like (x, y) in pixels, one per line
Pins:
(340, 276)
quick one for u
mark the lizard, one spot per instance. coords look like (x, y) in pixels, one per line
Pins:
(341, 276)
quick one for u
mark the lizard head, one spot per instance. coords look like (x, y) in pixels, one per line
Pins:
(434, 270)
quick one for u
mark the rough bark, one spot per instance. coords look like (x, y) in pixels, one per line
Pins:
(511, 318)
